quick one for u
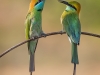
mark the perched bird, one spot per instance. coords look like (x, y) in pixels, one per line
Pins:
(33, 29)
(72, 26)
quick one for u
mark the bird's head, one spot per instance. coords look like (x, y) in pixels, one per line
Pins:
(37, 4)
(72, 4)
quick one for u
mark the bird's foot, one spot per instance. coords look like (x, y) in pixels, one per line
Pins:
(43, 34)
(61, 32)
(35, 37)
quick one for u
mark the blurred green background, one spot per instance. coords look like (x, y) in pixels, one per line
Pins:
(53, 55)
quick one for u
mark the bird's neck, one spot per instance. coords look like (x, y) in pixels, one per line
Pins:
(68, 8)
(36, 13)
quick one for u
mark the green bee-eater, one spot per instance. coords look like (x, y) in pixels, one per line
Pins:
(72, 26)
(33, 29)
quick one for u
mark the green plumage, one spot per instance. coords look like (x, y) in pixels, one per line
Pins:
(71, 25)
(74, 54)
(34, 29)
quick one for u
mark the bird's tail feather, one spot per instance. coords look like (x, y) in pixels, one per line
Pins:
(74, 54)
(32, 63)
(32, 55)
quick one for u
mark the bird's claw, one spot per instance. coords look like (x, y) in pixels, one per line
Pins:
(61, 32)
(34, 37)
(43, 34)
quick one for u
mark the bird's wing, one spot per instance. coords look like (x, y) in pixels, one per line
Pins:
(27, 26)
(72, 26)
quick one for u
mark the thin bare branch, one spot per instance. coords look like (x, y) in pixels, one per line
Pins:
(90, 34)
(48, 34)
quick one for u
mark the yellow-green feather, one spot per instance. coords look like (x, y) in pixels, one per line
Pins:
(33, 28)
(33, 25)
(71, 25)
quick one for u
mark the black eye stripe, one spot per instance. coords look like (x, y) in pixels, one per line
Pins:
(36, 3)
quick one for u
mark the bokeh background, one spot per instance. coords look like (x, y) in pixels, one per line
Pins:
(53, 55)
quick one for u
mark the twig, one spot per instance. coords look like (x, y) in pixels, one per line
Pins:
(30, 73)
(48, 34)
(90, 34)
(74, 71)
